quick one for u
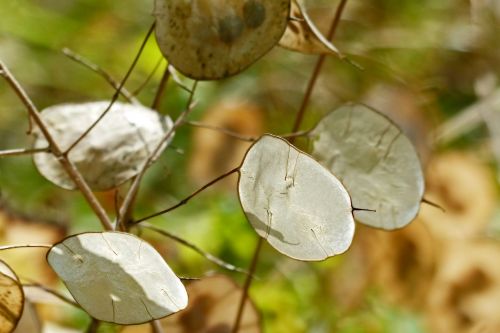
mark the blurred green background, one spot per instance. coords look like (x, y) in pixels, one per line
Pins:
(432, 66)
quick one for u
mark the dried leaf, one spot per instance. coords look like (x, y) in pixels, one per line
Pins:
(213, 306)
(464, 186)
(302, 35)
(113, 152)
(213, 39)
(11, 299)
(376, 162)
(117, 277)
(297, 205)
(466, 289)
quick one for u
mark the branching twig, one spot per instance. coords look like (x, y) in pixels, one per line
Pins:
(317, 69)
(189, 197)
(134, 188)
(117, 92)
(208, 256)
(66, 163)
(104, 74)
(23, 151)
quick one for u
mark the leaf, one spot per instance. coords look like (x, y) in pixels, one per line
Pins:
(213, 306)
(11, 299)
(376, 162)
(113, 152)
(117, 277)
(214, 39)
(303, 36)
(297, 205)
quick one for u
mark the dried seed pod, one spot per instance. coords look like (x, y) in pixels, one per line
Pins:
(376, 162)
(293, 202)
(117, 277)
(113, 152)
(214, 39)
(11, 299)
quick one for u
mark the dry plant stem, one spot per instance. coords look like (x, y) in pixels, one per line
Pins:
(222, 130)
(117, 92)
(195, 248)
(156, 326)
(150, 76)
(189, 197)
(53, 292)
(21, 246)
(248, 282)
(433, 204)
(161, 90)
(98, 70)
(134, 188)
(70, 168)
(122, 223)
(20, 152)
(296, 126)
(240, 136)
(177, 79)
(318, 67)
(93, 327)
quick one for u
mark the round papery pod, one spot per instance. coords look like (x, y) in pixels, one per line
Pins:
(213, 305)
(111, 153)
(214, 39)
(117, 277)
(293, 202)
(11, 299)
(375, 161)
(465, 188)
(465, 293)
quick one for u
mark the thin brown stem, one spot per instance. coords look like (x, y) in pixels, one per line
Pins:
(134, 188)
(161, 90)
(23, 151)
(156, 326)
(206, 255)
(53, 292)
(177, 79)
(93, 326)
(189, 197)
(150, 76)
(298, 122)
(22, 246)
(117, 92)
(239, 136)
(317, 68)
(433, 204)
(66, 163)
(101, 72)
(248, 282)
(222, 130)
